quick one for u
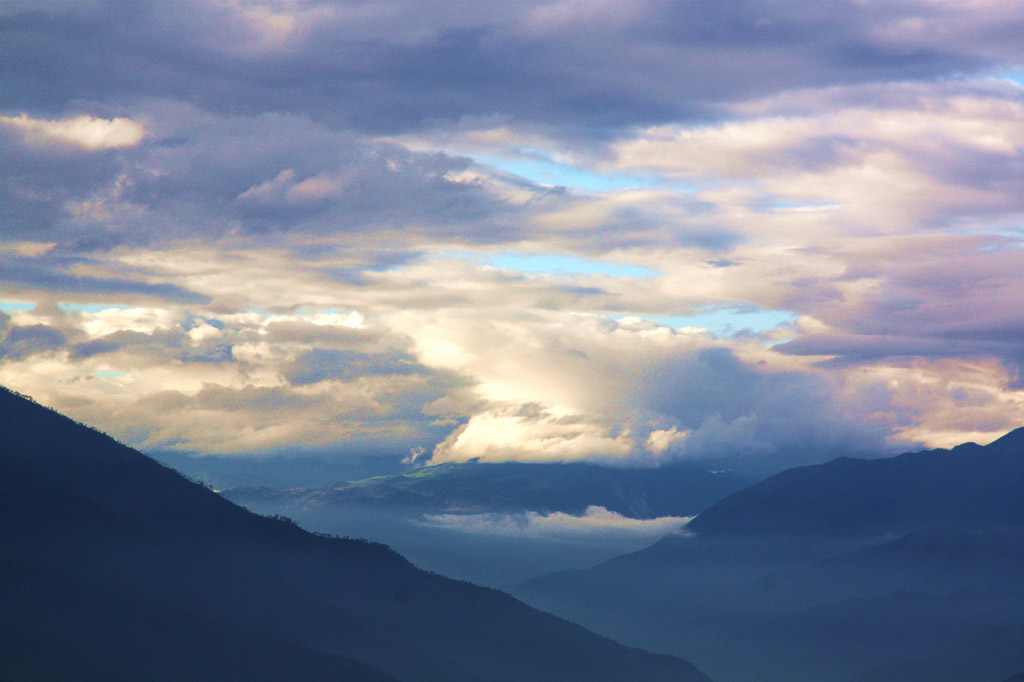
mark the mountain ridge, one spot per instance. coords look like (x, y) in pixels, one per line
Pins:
(510, 487)
(90, 516)
(907, 569)
(849, 497)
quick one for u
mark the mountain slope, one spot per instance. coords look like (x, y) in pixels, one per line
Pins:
(121, 569)
(901, 570)
(969, 486)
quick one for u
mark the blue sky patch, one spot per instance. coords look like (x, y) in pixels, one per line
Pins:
(92, 307)
(11, 306)
(557, 264)
(544, 171)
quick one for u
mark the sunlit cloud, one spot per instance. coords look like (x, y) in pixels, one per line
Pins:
(87, 132)
(628, 233)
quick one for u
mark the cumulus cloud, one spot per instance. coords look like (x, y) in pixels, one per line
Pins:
(563, 387)
(596, 523)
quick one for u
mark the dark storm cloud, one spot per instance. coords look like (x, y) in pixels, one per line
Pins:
(397, 66)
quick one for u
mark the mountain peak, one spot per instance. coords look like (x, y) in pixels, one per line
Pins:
(1014, 440)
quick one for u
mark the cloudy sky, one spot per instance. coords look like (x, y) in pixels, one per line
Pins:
(631, 232)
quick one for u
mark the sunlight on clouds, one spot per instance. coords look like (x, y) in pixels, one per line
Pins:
(659, 441)
(87, 132)
(110, 320)
(323, 230)
(889, 170)
(541, 438)
(30, 249)
(949, 402)
(763, 146)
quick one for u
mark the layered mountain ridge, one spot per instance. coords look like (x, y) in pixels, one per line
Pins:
(488, 487)
(907, 569)
(117, 568)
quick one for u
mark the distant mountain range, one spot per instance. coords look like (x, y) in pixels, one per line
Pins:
(438, 516)
(115, 568)
(487, 487)
(908, 569)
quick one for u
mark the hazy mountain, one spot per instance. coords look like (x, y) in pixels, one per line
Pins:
(476, 521)
(902, 570)
(281, 470)
(969, 486)
(478, 487)
(117, 568)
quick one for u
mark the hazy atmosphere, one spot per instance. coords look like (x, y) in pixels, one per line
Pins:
(626, 233)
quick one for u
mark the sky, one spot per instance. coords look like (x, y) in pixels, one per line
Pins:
(631, 233)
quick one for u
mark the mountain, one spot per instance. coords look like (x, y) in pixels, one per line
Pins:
(117, 568)
(970, 486)
(902, 570)
(486, 487)
(491, 523)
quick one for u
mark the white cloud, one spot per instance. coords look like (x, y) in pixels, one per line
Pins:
(658, 441)
(595, 523)
(85, 131)
(541, 438)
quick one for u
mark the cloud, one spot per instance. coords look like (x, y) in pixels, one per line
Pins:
(596, 523)
(406, 65)
(254, 176)
(281, 222)
(20, 342)
(85, 131)
(321, 364)
(75, 277)
(554, 388)
(923, 161)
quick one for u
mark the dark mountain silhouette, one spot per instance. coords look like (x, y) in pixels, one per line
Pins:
(479, 487)
(902, 570)
(969, 486)
(117, 568)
